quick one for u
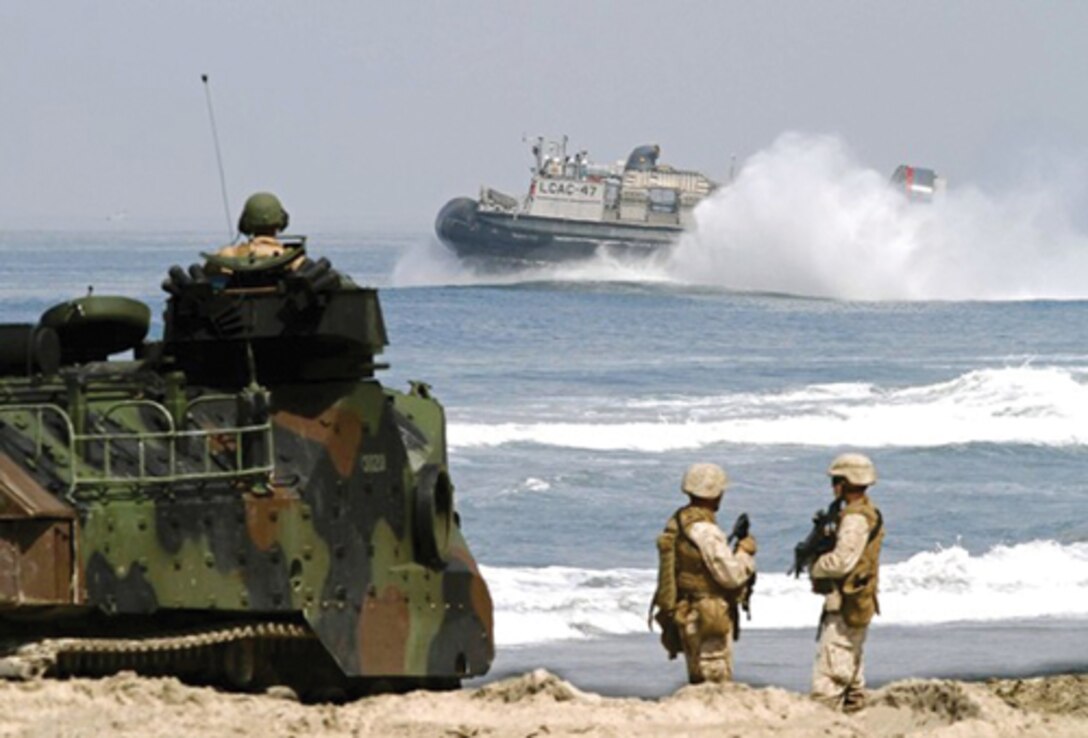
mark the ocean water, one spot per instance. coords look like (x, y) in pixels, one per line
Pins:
(576, 397)
(810, 311)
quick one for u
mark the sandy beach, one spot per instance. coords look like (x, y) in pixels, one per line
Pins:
(541, 704)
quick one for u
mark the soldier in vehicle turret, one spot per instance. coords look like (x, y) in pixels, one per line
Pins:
(847, 577)
(263, 219)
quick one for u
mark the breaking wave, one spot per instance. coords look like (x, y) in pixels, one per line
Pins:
(1026, 405)
(1028, 580)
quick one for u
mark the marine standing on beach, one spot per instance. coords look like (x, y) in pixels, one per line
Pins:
(847, 577)
(702, 581)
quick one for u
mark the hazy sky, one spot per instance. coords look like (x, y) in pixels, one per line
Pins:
(372, 115)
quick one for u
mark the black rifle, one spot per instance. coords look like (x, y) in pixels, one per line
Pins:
(820, 540)
(740, 528)
(740, 532)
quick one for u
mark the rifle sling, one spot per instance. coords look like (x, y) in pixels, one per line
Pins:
(876, 528)
(683, 531)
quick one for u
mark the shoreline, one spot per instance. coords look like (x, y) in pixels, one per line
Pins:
(625, 686)
(635, 665)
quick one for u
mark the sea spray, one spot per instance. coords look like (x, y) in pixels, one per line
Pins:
(805, 217)
(428, 262)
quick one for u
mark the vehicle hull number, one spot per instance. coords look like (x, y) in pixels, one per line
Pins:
(571, 189)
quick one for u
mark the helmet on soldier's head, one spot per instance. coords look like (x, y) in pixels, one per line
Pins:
(857, 469)
(263, 215)
(706, 481)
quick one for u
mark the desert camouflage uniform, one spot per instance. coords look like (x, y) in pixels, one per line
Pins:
(258, 247)
(709, 578)
(838, 676)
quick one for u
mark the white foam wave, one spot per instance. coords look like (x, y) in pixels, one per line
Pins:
(1028, 580)
(533, 484)
(1030, 405)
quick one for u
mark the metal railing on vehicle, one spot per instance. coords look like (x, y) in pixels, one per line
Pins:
(212, 442)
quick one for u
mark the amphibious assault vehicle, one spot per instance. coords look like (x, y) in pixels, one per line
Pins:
(240, 502)
(575, 207)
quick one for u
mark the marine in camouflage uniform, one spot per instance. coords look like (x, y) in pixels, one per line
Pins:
(710, 577)
(847, 577)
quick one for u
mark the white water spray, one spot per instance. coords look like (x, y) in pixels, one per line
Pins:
(430, 263)
(804, 217)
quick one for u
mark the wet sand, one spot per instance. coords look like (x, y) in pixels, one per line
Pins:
(635, 664)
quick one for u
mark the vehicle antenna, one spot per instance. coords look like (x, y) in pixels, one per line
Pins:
(218, 155)
(732, 167)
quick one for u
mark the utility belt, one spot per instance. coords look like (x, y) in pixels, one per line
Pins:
(708, 614)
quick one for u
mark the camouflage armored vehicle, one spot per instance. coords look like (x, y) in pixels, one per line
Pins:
(241, 502)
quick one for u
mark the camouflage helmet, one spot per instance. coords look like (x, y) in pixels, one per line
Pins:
(262, 215)
(706, 481)
(857, 469)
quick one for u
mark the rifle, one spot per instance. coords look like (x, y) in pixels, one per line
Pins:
(819, 541)
(740, 529)
(740, 532)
